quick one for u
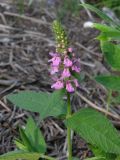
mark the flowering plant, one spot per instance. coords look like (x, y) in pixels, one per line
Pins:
(63, 63)
(91, 125)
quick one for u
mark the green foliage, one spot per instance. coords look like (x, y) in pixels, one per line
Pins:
(110, 82)
(105, 28)
(118, 158)
(96, 158)
(61, 38)
(99, 153)
(43, 103)
(68, 7)
(20, 155)
(35, 135)
(21, 5)
(112, 54)
(31, 144)
(113, 4)
(31, 138)
(107, 33)
(26, 141)
(109, 40)
(96, 129)
(101, 14)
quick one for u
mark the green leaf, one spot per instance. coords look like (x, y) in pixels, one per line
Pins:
(96, 158)
(108, 33)
(108, 36)
(20, 145)
(110, 82)
(35, 136)
(99, 153)
(20, 155)
(43, 103)
(100, 14)
(112, 54)
(96, 130)
(26, 141)
(21, 6)
(105, 28)
(31, 138)
(118, 158)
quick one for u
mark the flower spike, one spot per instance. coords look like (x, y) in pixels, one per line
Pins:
(60, 36)
(63, 62)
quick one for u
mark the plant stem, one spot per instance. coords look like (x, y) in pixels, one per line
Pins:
(68, 129)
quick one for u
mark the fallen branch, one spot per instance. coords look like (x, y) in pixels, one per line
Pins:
(27, 18)
(98, 108)
(4, 106)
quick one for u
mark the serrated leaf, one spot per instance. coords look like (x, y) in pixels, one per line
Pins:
(20, 155)
(112, 54)
(96, 130)
(99, 153)
(110, 82)
(43, 103)
(100, 14)
(35, 135)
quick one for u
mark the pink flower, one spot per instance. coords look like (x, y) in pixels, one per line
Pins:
(67, 62)
(70, 50)
(52, 54)
(76, 68)
(61, 66)
(58, 85)
(54, 69)
(69, 87)
(76, 82)
(66, 73)
(55, 60)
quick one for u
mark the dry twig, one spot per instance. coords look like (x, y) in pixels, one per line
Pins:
(98, 108)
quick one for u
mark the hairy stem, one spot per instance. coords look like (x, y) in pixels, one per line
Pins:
(68, 129)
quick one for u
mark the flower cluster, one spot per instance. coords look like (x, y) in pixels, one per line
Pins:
(63, 67)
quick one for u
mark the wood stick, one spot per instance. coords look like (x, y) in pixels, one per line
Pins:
(4, 106)
(97, 108)
(27, 18)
